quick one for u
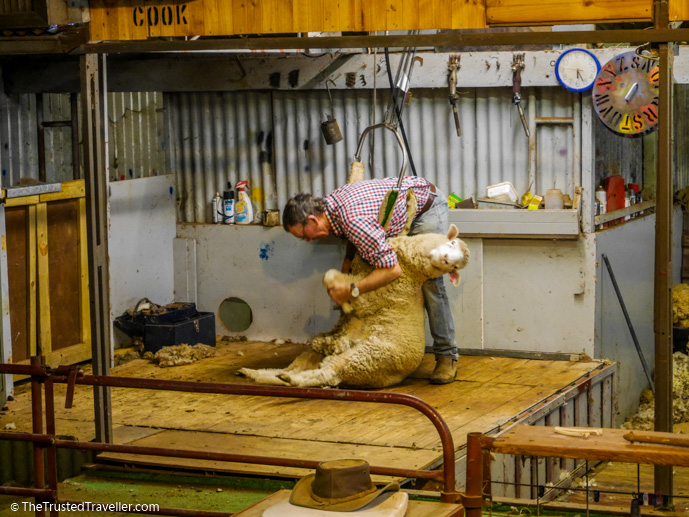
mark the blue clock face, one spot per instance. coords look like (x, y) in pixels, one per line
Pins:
(576, 69)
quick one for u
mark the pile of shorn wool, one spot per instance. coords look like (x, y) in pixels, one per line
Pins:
(644, 418)
(680, 305)
(180, 354)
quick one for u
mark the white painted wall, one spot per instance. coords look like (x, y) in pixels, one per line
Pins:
(142, 231)
(277, 275)
(536, 297)
(630, 248)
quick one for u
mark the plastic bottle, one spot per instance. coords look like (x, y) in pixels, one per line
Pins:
(602, 200)
(243, 211)
(601, 197)
(228, 207)
(216, 208)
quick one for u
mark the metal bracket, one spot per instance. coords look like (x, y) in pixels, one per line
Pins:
(517, 67)
(453, 67)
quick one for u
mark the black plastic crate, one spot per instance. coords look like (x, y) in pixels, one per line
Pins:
(191, 331)
(134, 324)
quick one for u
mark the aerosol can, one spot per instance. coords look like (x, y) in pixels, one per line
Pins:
(243, 212)
(228, 205)
(217, 209)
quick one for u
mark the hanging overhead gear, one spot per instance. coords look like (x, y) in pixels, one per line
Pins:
(517, 67)
(329, 128)
(393, 116)
(453, 68)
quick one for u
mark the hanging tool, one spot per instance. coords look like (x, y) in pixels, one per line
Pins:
(453, 68)
(393, 115)
(329, 128)
(517, 67)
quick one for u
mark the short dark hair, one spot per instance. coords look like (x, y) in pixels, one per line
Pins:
(299, 207)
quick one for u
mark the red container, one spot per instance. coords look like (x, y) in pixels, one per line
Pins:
(614, 189)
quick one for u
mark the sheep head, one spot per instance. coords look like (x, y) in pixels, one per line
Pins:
(451, 256)
(430, 255)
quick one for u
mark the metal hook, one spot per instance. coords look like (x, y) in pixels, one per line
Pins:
(646, 51)
(332, 109)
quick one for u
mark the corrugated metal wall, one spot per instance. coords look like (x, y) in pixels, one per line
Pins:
(136, 144)
(274, 140)
(16, 6)
(275, 137)
(681, 136)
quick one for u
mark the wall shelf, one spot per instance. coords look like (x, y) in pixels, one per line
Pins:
(516, 223)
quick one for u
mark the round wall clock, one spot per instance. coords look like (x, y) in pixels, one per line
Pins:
(625, 95)
(576, 69)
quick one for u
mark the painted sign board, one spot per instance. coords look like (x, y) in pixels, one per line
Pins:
(113, 20)
(143, 19)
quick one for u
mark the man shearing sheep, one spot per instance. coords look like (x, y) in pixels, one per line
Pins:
(351, 213)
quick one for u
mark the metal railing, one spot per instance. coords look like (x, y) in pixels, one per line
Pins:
(47, 441)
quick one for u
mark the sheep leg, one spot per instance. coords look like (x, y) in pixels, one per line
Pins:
(307, 360)
(263, 376)
(333, 369)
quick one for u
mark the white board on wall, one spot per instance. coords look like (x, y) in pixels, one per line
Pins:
(140, 245)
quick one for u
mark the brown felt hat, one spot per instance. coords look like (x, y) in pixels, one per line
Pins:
(338, 486)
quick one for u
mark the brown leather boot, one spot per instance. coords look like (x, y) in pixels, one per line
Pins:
(445, 370)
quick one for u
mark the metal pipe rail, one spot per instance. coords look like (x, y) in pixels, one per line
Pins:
(47, 376)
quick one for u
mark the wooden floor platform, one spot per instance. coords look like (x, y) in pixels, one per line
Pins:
(489, 393)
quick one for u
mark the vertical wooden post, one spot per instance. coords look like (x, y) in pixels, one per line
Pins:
(95, 141)
(44, 334)
(32, 281)
(663, 249)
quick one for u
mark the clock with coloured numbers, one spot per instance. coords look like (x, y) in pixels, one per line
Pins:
(625, 95)
(576, 69)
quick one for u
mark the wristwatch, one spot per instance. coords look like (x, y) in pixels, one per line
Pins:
(354, 290)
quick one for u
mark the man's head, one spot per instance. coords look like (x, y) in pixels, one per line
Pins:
(304, 217)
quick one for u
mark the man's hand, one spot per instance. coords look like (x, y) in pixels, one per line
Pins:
(340, 292)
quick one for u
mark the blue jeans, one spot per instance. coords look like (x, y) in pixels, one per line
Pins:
(440, 321)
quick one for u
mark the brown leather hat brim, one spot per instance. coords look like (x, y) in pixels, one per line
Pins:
(302, 495)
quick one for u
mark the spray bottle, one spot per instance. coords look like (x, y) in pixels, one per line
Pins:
(216, 208)
(228, 205)
(244, 212)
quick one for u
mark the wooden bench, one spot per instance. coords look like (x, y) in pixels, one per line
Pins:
(618, 445)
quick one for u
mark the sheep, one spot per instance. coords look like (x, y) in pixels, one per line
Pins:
(380, 337)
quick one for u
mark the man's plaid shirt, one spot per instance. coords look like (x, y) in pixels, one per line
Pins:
(353, 214)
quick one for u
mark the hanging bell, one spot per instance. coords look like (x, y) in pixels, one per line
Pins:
(329, 128)
(331, 131)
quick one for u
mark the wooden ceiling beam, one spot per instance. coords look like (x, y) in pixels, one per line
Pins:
(459, 39)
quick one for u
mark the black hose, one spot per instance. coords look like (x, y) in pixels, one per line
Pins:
(399, 114)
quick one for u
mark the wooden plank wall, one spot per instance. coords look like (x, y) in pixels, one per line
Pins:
(549, 12)
(143, 19)
(679, 10)
(48, 276)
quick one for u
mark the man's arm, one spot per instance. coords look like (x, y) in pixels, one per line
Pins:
(340, 292)
(349, 256)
